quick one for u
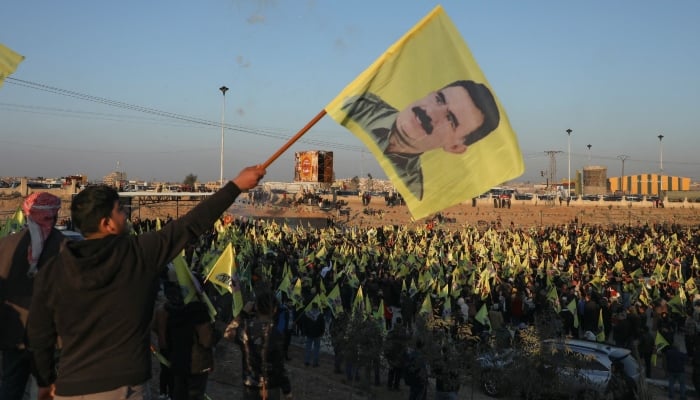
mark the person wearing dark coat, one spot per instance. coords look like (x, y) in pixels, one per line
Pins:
(591, 313)
(314, 326)
(396, 345)
(22, 255)
(262, 351)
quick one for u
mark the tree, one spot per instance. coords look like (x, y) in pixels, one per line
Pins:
(190, 181)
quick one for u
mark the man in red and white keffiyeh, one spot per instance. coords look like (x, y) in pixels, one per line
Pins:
(41, 210)
(21, 256)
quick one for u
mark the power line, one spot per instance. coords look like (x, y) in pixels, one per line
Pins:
(269, 133)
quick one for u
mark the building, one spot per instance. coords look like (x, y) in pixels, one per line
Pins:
(595, 180)
(648, 184)
(114, 179)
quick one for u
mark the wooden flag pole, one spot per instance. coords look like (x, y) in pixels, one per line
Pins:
(296, 137)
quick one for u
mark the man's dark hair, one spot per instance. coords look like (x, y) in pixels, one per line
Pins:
(91, 205)
(483, 100)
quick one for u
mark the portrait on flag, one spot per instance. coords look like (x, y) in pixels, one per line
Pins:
(427, 113)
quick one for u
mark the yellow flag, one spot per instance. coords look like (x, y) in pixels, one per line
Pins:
(483, 316)
(297, 297)
(600, 337)
(427, 113)
(221, 274)
(358, 304)
(14, 224)
(334, 301)
(184, 279)
(285, 285)
(572, 309)
(426, 309)
(660, 342)
(9, 60)
(553, 297)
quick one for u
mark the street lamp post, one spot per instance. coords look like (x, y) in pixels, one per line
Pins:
(223, 89)
(583, 173)
(568, 182)
(622, 158)
(661, 162)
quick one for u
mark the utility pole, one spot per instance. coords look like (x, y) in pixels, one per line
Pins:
(552, 163)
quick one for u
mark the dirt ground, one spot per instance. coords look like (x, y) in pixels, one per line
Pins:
(308, 383)
(521, 213)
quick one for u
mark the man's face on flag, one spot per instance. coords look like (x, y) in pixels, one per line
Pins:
(441, 119)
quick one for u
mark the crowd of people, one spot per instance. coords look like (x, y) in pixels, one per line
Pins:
(637, 280)
(619, 284)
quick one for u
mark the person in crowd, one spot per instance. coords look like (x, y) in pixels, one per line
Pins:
(98, 294)
(285, 322)
(446, 379)
(675, 370)
(173, 301)
(262, 351)
(416, 372)
(314, 326)
(191, 335)
(667, 327)
(620, 386)
(690, 333)
(646, 348)
(695, 377)
(396, 345)
(22, 255)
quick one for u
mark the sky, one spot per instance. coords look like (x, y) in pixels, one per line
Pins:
(134, 85)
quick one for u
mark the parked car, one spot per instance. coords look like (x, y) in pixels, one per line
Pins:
(583, 369)
(633, 197)
(612, 197)
(523, 196)
(590, 197)
(70, 235)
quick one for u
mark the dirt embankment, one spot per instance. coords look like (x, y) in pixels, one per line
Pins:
(520, 214)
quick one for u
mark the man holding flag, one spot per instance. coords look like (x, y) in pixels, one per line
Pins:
(98, 294)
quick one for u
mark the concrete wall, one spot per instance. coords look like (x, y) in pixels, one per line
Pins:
(24, 190)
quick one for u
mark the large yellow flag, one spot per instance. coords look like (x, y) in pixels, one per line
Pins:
(9, 60)
(429, 116)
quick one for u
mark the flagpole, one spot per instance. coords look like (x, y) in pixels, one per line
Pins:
(296, 137)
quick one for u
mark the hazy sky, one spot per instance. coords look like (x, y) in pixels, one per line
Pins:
(618, 73)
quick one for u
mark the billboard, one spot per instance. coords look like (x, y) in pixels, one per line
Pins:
(313, 166)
